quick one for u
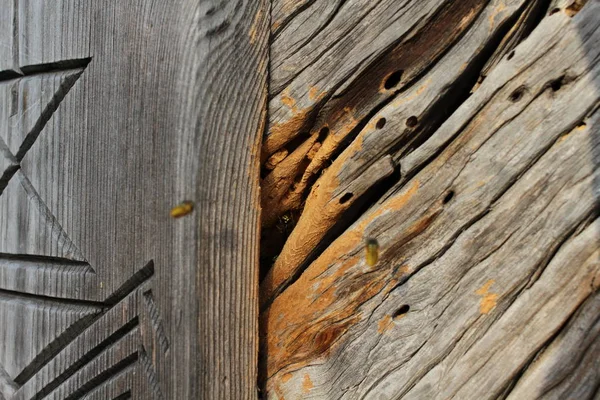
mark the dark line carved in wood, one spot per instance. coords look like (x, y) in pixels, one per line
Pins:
(59, 359)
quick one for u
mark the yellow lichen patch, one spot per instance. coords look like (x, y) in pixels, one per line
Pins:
(488, 300)
(307, 384)
(275, 25)
(405, 269)
(315, 94)
(497, 11)
(384, 325)
(287, 7)
(255, 27)
(349, 119)
(286, 377)
(288, 101)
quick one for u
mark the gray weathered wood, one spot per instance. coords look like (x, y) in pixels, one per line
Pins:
(112, 113)
(569, 366)
(8, 47)
(389, 130)
(489, 258)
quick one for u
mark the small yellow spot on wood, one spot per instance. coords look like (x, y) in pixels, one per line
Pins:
(575, 7)
(286, 377)
(497, 11)
(182, 209)
(384, 325)
(307, 384)
(314, 94)
(405, 269)
(489, 300)
(289, 101)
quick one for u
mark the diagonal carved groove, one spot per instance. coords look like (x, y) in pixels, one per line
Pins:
(157, 322)
(84, 267)
(9, 75)
(77, 63)
(70, 335)
(131, 284)
(8, 165)
(51, 301)
(54, 348)
(124, 396)
(150, 374)
(88, 357)
(7, 386)
(105, 376)
(52, 106)
(58, 233)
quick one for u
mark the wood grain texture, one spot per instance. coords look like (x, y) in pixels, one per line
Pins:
(9, 45)
(303, 78)
(569, 365)
(391, 129)
(116, 113)
(489, 263)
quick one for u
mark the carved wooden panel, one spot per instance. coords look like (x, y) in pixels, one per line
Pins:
(112, 113)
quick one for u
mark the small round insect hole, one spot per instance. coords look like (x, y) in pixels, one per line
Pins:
(346, 197)
(381, 123)
(557, 83)
(448, 197)
(510, 55)
(517, 94)
(323, 133)
(401, 312)
(554, 11)
(411, 122)
(393, 79)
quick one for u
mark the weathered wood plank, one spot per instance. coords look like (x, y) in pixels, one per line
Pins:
(487, 234)
(357, 35)
(168, 105)
(31, 101)
(414, 112)
(8, 165)
(9, 44)
(28, 227)
(570, 365)
(20, 345)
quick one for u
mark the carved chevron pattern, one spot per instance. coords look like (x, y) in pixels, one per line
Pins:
(105, 351)
(94, 349)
